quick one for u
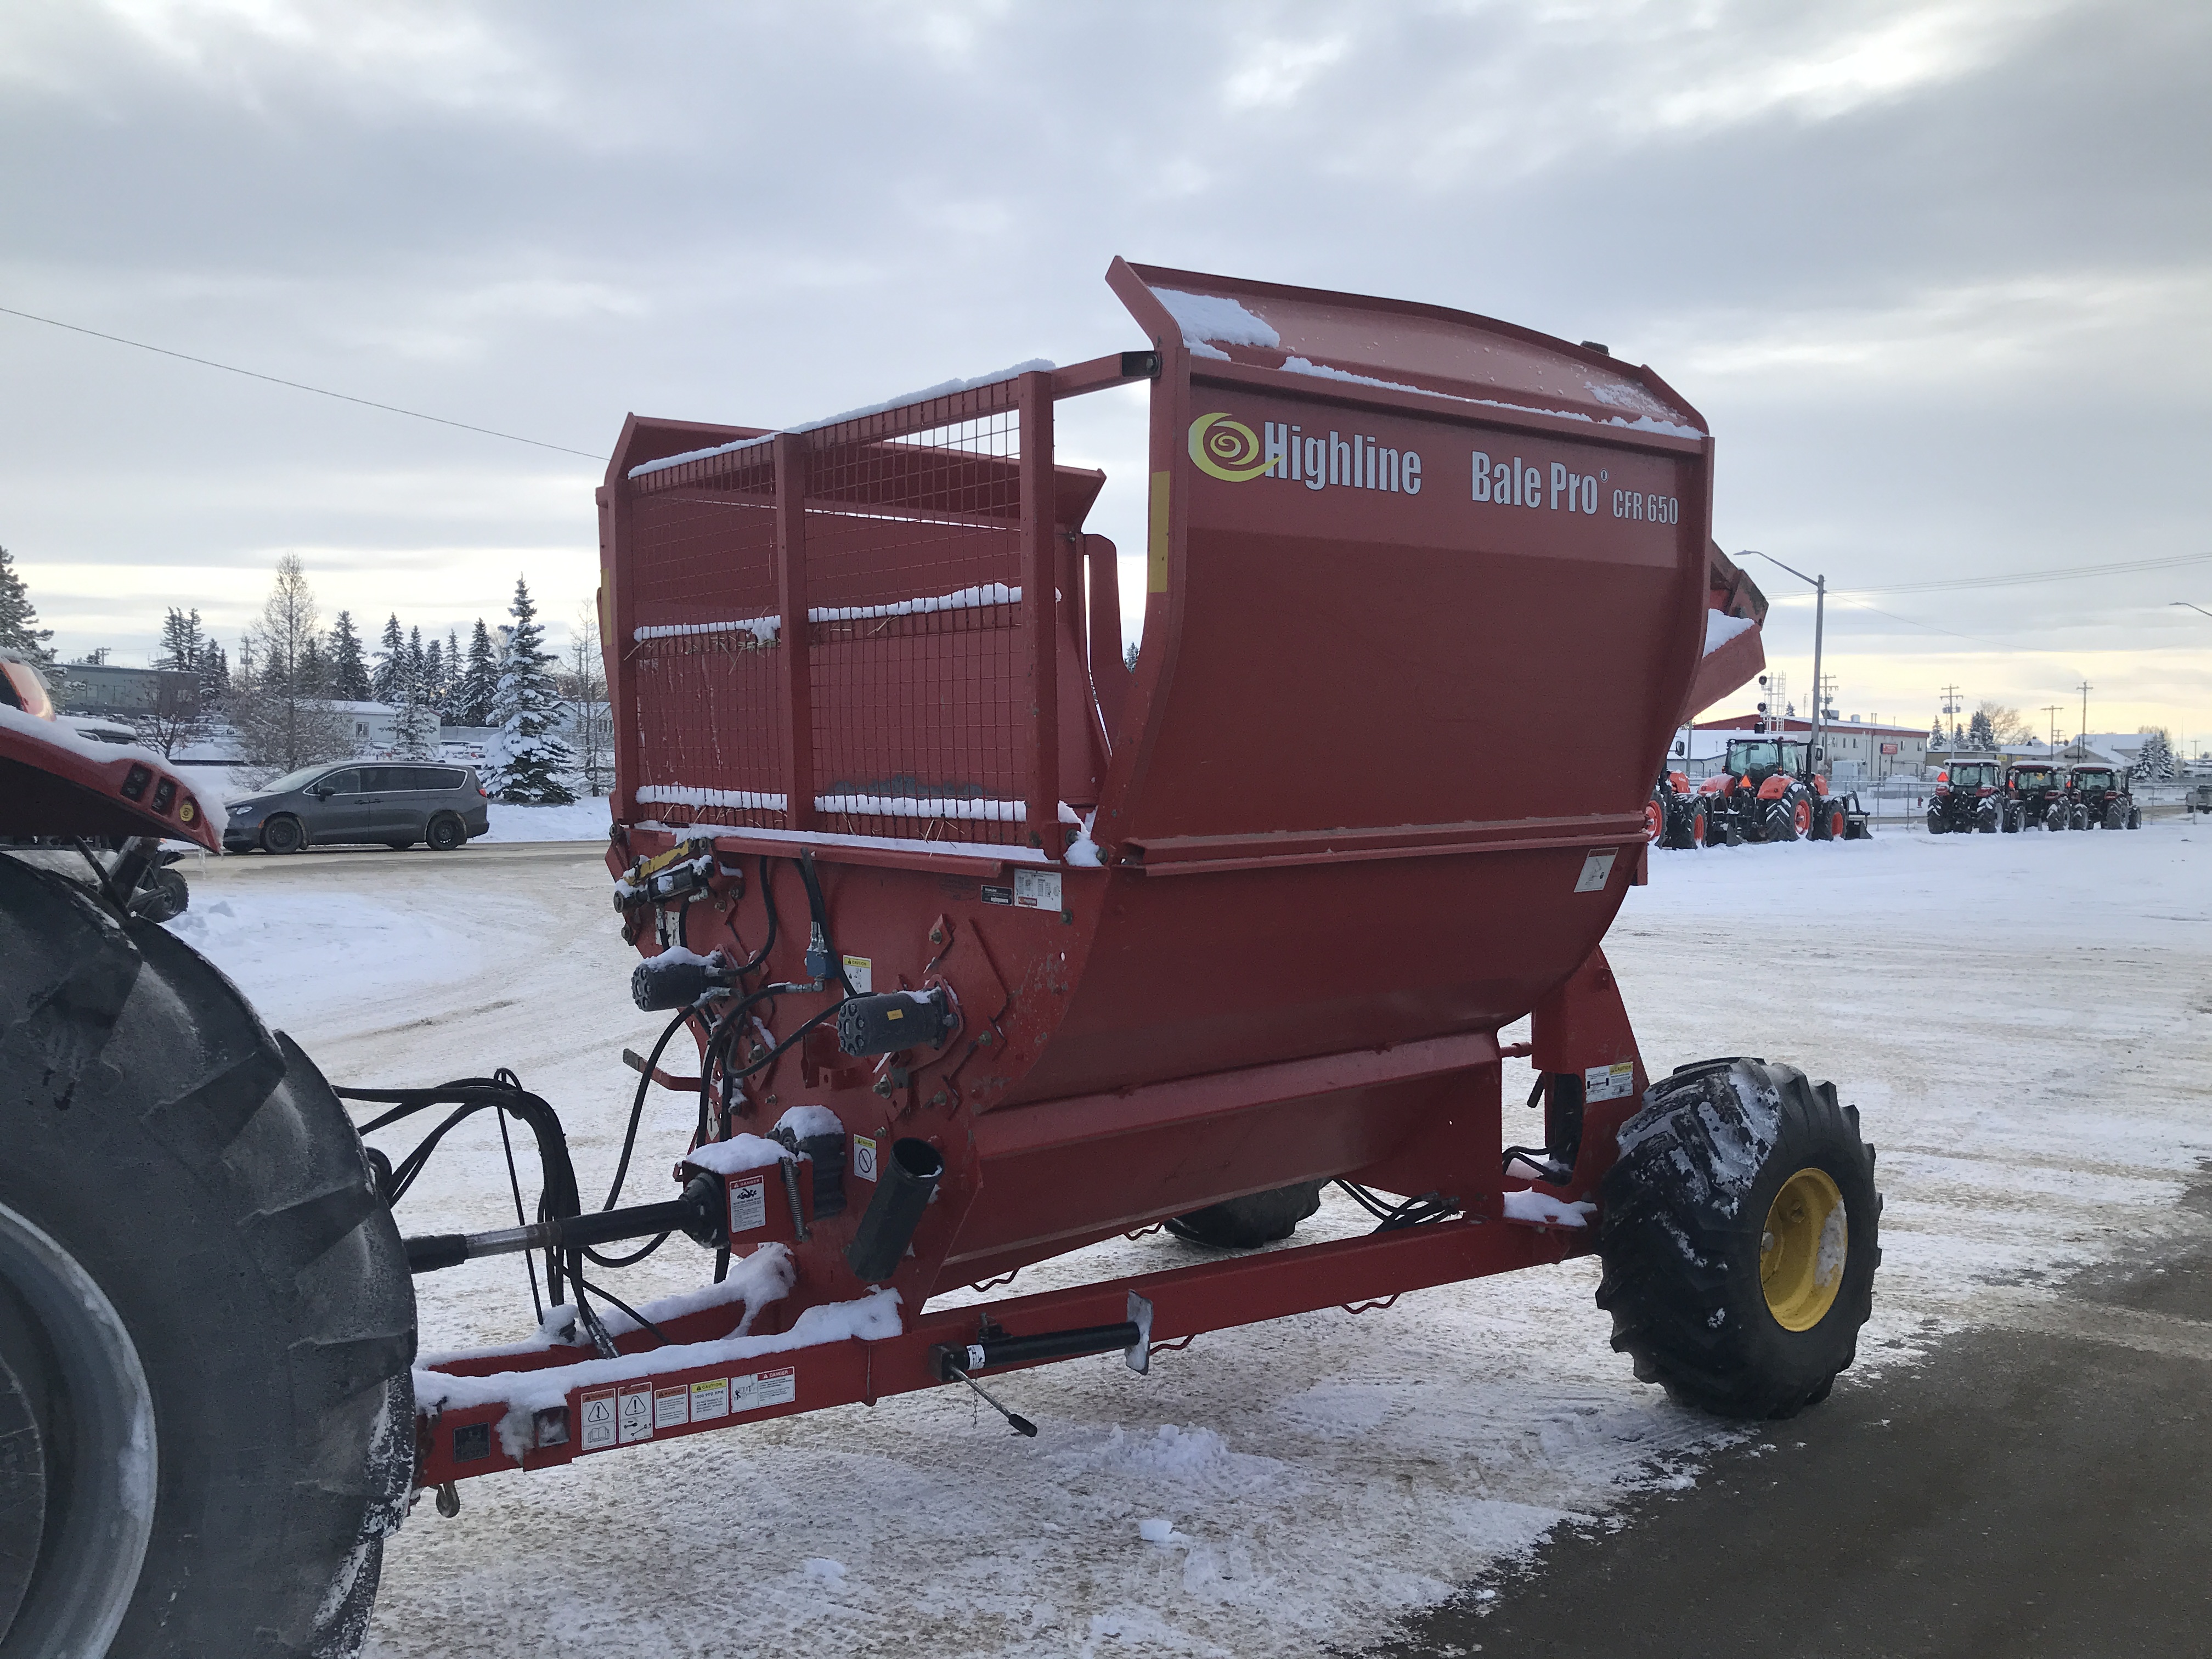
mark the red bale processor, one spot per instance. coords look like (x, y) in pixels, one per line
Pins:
(989, 948)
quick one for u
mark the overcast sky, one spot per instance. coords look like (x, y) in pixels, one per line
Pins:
(1939, 275)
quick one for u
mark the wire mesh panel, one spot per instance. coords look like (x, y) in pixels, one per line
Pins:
(913, 583)
(913, 707)
(708, 703)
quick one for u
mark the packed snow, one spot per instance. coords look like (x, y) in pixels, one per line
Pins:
(2022, 1020)
(1721, 627)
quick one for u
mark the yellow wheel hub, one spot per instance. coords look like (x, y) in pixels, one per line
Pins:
(1802, 1251)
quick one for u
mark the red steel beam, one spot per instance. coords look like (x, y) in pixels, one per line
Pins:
(790, 450)
(1040, 610)
(1187, 1302)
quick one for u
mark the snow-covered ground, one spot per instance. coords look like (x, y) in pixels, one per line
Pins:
(2025, 1020)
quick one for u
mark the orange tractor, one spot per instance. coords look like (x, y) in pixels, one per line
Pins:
(1766, 790)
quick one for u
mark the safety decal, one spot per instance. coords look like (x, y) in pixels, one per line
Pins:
(1596, 868)
(1036, 890)
(635, 1413)
(776, 1388)
(599, 1407)
(864, 1158)
(860, 975)
(748, 1203)
(671, 1408)
(1614, 1082)
(710, 1399)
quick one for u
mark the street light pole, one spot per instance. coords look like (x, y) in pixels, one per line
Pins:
(1820, 619)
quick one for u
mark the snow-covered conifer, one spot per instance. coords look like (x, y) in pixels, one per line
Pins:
(524, 763)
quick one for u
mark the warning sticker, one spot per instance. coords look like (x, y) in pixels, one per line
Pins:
(636, 1411)
(598, 1420)
(860, 974)
(671, 1408)
(748, 1203)
(1596, 869)
(994, 894)
(776, 1388)
(864, 1158)
(1612, 1082)
(1036, 890)
(710, 1399)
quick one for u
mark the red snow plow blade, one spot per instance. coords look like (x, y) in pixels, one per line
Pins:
(1736, 658)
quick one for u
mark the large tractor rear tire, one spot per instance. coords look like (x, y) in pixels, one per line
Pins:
(1739, 1238)
(1937, 824)
(1247, 1223)
(195, 1172)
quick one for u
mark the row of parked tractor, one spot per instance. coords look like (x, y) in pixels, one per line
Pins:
(1983, 796)
(1766, 790)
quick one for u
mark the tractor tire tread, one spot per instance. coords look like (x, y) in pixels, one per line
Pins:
(1683, 1208)
(264, 1283)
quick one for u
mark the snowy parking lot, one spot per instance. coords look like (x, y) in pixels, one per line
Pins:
(2026, 1023)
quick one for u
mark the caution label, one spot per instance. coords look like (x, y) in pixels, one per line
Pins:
(864, 1158)
(599, 1414)
(748, 1203)
(776, 1388)
(860, 975)
(1614, 1082)
(634, 1412)
(710, 1400)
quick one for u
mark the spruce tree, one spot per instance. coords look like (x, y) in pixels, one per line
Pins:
(477, 685)
(349, 671)
(1981, 732)
(433, 673)
(391, 663)
(183, 642)
(415, 733)
(2155, 760)
(19, 617)
(524, 763)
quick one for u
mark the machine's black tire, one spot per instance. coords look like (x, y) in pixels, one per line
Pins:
(282, 835)
(1986, 821)
(2077, 817)
(1697, 825)
(1936, 826)
(1257, 1219)
(2010, 824)
(199, 1169)
(2134, 817)
(1777, 821)
(1685, 1208)
(2058, 816)
(446, 832)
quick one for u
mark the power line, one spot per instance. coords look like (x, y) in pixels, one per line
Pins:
(297, 385)
(2070, 572)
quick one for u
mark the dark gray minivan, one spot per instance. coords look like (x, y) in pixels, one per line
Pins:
(398, 803)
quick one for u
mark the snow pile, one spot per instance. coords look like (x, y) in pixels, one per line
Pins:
(909, 806)
(1204, 316)
(810, 1122)
(943, 389)
(1641, 423)
(586, 819)
(1721, 627)
(54, 731)
(1544, 1210)
(679, 794)
(1083, 850)
(765, 630)
(967, 599)
(736, 1155)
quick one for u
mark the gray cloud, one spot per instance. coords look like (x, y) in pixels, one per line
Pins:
(1937, 274)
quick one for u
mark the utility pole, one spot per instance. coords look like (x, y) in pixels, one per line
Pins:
(2082, 731)
(1952, 705)
(2052, 709)
(1819, 616)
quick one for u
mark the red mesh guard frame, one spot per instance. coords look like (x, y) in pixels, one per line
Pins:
(908, 705)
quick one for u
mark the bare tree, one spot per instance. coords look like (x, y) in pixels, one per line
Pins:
(2007, 724)
(283, 721)
(591, 723)
(179, 717)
